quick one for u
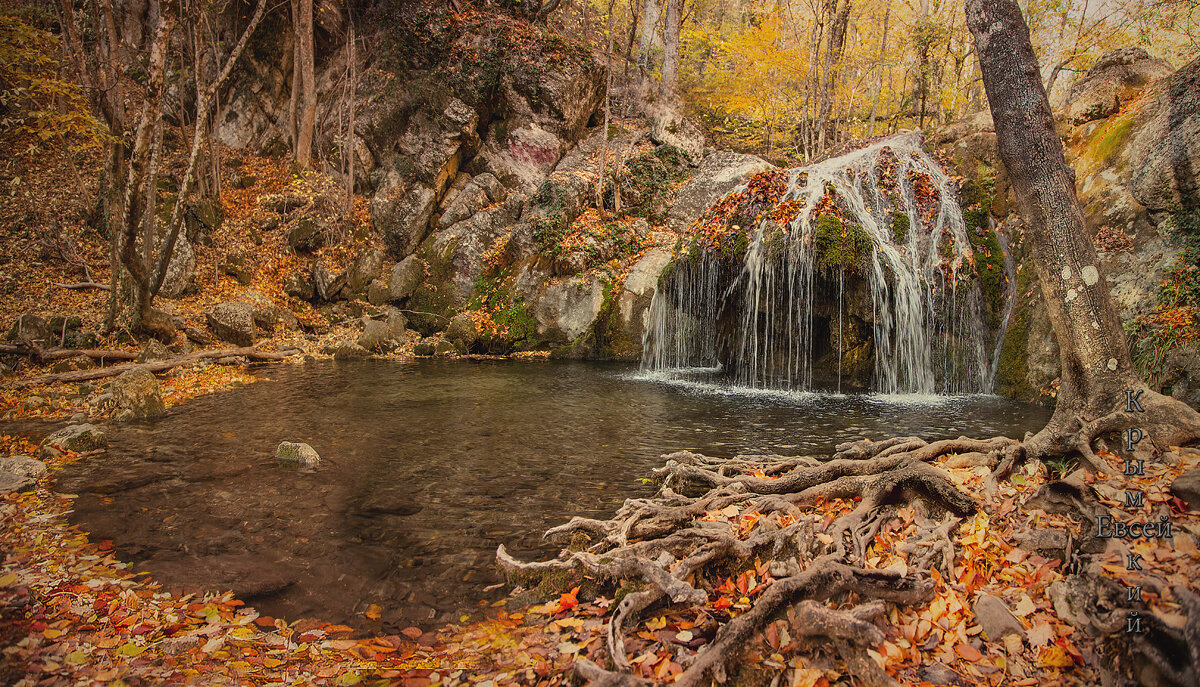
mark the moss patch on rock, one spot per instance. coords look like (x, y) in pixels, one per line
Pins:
(841, 245)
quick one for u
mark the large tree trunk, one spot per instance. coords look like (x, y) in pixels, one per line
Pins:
(670, 68)
(1096, 366)
(308, 115)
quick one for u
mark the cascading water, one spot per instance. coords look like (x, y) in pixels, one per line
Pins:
(856, 272)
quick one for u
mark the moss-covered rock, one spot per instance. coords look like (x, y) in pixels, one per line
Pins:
(841, 245)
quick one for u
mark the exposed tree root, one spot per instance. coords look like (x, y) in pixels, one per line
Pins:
(819, 578)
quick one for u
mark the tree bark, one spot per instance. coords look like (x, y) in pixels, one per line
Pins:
(308, 115)
(670, 68)
(1097, 369)
(834, 47)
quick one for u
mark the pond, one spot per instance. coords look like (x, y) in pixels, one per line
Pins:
(427, 466)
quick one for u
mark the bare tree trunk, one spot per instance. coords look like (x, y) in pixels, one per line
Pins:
(308, 115)
(293, 122)
(887, 15)
(834, 47)
(670, 68)
(1097, 370)
(645, 60)
(351, 151)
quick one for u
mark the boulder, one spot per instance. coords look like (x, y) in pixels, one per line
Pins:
(368, 265)
(136, 395)
(377, 292)
(10, 482)
(481, 191)
(299, 284)
(407, 275)
(282, 203)
(993, 616)
(181, 271)
(263, 310)
(201, 219)
(30, 330)
(401, 216)
(297, 453)
(1187, 487)
(1164, 154)
(77, 438)
(346, 350)
(238, 266)
(307, 235)
(462, 332)
(383, 336)
(566, 309)
(669, 127)
(1117, 77)
(232, 321)
(23, 466)
(466, 242)
(153, 350)
(425, 346)
(718, 174)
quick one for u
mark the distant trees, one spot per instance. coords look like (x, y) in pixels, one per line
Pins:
(794, 78)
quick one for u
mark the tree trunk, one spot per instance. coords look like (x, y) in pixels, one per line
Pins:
(670, 68)
(645, 60)
(887, 15)
(834, 47)
(1097, 369)
(308, 115)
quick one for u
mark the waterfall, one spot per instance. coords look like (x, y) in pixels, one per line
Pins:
(855, 272)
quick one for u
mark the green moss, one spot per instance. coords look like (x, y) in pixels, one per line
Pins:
(1014, 352)
(1110, 138)
(841, 245)
(989, 264)
(647, 183)
(900, 227)
(516, 327)
(433, 300)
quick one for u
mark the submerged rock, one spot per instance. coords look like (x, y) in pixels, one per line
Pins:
(78, 438)
(296, 452)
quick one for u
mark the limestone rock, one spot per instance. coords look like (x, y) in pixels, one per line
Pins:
(308, 235)
(1116, 78)
(1187, 487)
(347, 350)
(136, 395)
(407, 275)
(12, 483)
(481, 191)
(718, 174)
(297, 453)
(30, 330)
(263, 310)
(670, 127)
(1165, 153)
(402, 217)
(281, 203)
(462, 332)
(153, 350)
(78, 438)
(367, 266)
(181, 271)
(425, 346)
(383, 336)
(299, 284)
(22, 466)
(996, 620)
(377, 292)
(233, 322)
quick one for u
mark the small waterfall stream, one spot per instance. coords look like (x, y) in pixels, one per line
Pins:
(855, 273)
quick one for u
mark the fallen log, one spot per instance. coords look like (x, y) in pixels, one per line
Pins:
(68, 353)
(249, 352)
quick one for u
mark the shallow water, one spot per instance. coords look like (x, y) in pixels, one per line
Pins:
(428, 466)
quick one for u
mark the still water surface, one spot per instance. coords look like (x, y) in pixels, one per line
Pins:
(428, 466)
